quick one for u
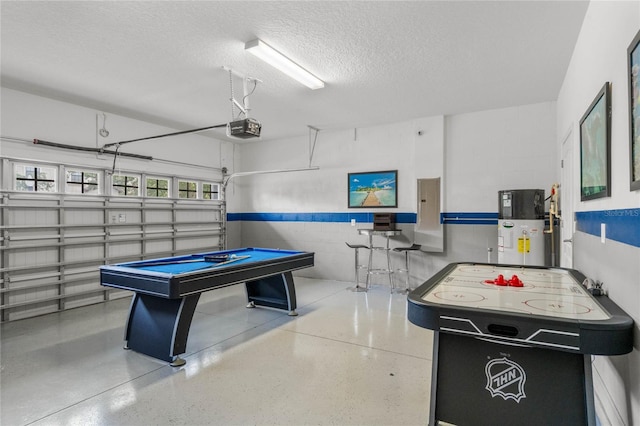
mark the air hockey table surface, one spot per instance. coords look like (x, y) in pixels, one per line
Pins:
(551, 309)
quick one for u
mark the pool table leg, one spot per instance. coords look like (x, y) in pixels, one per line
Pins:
(159, 327)
(292, 313)
(277, 291)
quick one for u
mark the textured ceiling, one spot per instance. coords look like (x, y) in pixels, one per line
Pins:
(382, 61)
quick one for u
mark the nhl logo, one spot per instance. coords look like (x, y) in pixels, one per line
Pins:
(505, 378)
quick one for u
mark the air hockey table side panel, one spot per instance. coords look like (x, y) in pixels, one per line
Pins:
(500, 383)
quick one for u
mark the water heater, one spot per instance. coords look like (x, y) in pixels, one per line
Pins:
(521, 227)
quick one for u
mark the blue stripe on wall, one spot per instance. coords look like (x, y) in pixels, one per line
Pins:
(456, 218)
(621, 225)
(462, 218)
(469, 218)
(314, 217)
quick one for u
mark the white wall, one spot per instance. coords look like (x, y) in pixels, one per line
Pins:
(600, 56)
(489, 151)
(385, 147)
(388, 147)
(26, 116)
(477, 153)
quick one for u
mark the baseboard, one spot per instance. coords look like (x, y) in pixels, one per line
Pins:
(606, 412)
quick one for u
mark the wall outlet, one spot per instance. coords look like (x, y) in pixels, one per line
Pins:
(353, 222)
(603, 232)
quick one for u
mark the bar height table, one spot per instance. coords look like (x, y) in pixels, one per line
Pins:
(388, 270)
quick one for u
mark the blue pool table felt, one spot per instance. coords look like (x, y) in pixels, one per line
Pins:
(196, 262)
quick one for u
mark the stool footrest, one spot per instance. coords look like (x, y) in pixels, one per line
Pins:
(381, 271)
(412, 248)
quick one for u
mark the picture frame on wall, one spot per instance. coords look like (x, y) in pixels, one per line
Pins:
(595, 147)
(372, 189)
(633, 61)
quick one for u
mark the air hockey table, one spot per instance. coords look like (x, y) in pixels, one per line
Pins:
(167, 291)
(513, 344)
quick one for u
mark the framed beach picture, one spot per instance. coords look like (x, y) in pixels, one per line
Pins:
(595, 147)
(633, 60)
(373, 189)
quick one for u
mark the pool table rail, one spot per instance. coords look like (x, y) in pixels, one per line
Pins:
(175, 286)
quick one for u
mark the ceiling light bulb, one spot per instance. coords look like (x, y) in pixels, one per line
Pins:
(276, 59)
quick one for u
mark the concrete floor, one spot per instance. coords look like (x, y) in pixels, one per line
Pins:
(348, 358)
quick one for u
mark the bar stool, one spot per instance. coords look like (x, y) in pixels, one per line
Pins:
(358, 266)
(387, 234)
(406, 251)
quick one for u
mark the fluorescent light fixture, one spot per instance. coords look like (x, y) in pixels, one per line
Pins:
(276, 59)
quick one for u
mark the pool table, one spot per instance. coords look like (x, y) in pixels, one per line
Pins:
(167, 291)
